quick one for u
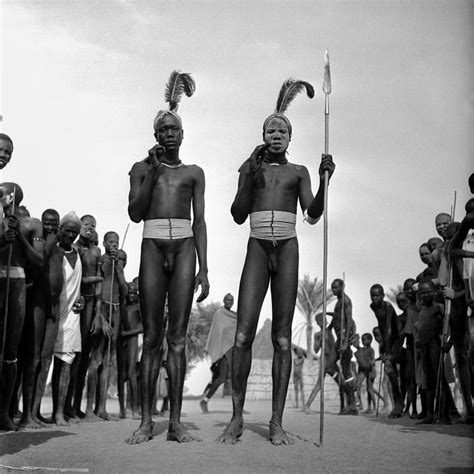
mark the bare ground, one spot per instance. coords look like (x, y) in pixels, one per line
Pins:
(351, 444)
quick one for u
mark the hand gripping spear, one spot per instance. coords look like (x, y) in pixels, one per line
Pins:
(327, 91)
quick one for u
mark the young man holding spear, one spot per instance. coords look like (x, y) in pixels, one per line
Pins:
(21, 243)
(268, 191)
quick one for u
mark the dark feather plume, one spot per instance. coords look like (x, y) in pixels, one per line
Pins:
(289, 90)
(178, 83)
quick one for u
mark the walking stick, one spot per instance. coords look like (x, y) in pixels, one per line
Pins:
(382, 367)
(7, 292)
(445, 333)
(110, 312)
(327, 91)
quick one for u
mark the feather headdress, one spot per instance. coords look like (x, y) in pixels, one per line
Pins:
(289, 90)
(179, 83)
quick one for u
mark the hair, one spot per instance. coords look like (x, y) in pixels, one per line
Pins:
(401, 295)
(229, 294)
(408, 281)
(427, 281)
(470, 181)
(85, 216)
(70, 218)
(443, 214)
(338, 280)
(109, 233)
(424, 244)
(4, 136)
(24, 211)
(367, 335)
(16, 188)
(375, 329)
(377, 286)
(469, 204)
(52, 212)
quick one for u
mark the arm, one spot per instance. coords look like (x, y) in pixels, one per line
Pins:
(455, 245)
(316, 208)
(348, 320)
(200, 234)
(33, 244)
(143, 178)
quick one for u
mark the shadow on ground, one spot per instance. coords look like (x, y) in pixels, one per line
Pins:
(406, 425)
(14, 442)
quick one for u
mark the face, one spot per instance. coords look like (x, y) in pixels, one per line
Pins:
(356, 340)
(276, 135)
(425, 255)
(441, 222)
(366, 341)
(337, 288)
(6, 150)
(169, 132)
(111, 242)
(426, 292)
(377, 336)
(408, 289)
(228, 301)
(68, 233)
(402, 302)
(132, 293)
(50, 224)
(434, 244)
(88, 227)
(376, 296)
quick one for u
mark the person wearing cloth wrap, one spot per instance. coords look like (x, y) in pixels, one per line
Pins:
(268, 191)
(162, 192)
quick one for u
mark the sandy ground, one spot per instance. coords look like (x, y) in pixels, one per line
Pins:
(351, 444)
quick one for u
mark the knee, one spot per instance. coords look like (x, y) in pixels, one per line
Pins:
(176, 344)
(151, 344)
(243, 340)
(281, 343)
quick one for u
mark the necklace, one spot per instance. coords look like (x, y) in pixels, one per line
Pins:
(173, 167)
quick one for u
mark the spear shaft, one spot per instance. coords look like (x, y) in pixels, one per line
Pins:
(327, 91)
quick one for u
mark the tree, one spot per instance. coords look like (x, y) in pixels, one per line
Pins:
(310, 302)
(198, 330)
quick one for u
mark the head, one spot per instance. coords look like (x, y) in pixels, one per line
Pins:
(132, 295)
(377, 294)
(441, 222)
(337, 287)
(426, 290)
(469, 207)
(452, 229)
(23, 211)
(319, 320)
(169, 131)
(425, 254)
(367, 339)
(435, 243)
(135, 280)
(6, 150)
(50, 222)
(228, 301)
(88, 224)
(111, 241)
(470, 181)
(408, 289)
(402, 301)
(277, 133)
(355, 340)
(69, 229)
(11, 193)
(377, 334)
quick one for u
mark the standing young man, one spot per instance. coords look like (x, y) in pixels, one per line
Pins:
(162, 192)
(268, 191)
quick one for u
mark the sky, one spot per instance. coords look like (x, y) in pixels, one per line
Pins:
(81, 82)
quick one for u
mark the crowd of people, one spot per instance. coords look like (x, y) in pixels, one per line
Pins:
(425, 350)
(63, 298)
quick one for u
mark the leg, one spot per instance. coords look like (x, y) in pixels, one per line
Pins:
(131, 376)
(284, 287)
(180, 300)
(98, 345)
(219, 375)
(252, 290)
(312, 396)
(60, 388)
(153, 286)
(348, 382)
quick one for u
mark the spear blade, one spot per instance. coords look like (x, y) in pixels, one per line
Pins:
(327, 74)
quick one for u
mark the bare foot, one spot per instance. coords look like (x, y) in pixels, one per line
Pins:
(73, 420)
(6, 424)
(368, 411)
(122, 415)
(397, 411)
(142, 435)
(177, 432)
(306, 410)
(92, 417)
(232, 433)
(28, 423)
(277, 435)
(40, 423)
(203, 405)
(135, 415)
(429, 420)
(60, 420)
(46, 421)
(350, 411)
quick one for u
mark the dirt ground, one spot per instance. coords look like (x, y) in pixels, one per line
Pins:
(351, 444)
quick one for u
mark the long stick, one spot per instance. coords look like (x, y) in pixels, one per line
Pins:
(444, 336)
(327, 91)
(7, 292)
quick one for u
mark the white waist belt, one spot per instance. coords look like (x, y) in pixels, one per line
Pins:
(272, 225)
(167, 229)
(15, 272)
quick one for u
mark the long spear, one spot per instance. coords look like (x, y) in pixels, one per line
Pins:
(327, 91)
